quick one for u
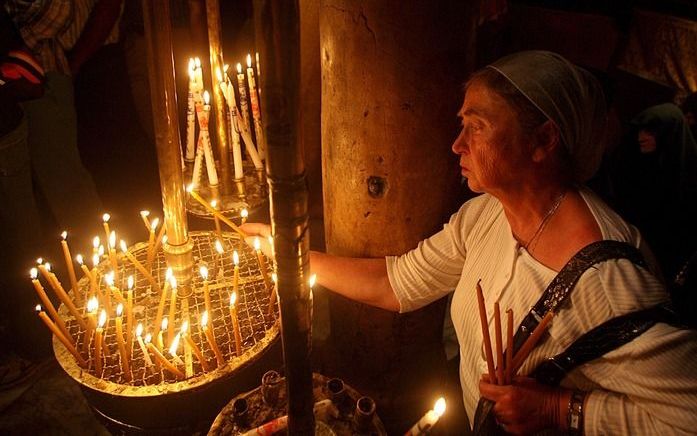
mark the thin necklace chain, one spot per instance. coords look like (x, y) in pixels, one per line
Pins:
(543, 223)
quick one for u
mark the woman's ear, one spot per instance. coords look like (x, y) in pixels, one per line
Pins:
(547, 139)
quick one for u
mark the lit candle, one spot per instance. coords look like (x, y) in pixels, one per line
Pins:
(191, 112)
(197, 351)
(235, 323)
(71, 268)
(85, 270)
(105, 223)
(243, 126)
(258, 68)
(274, 294)
(151, 242)
(163, 360)
(430, 419)
(109, 280)
(207, 149)
(160, 333)
(206, 294)
(169, 276)
(92, 309)
(210, 337)
(129, 315)
(144, 214)
(262, 262)
(214, 205)
(125, 367)
(220, 265)
(172, 311)
(161, 238)
(49, 305)
(205, 204)
(112, 254)
(173, 350)
(94, 284)
(148, 339)
(244, 214)
(199, 74)
(244, 101)
(256, 113)
(146, 355)
(98, 342)
(57, 333)
(95, 245)
(229, 93)
(236, 274)
(60, 293)
(139, 266)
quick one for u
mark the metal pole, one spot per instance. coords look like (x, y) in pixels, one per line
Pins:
(158, 34)
(279, 30)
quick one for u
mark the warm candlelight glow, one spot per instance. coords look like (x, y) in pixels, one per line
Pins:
(39, 260)
(95, 242)
(145, 213)
(214, 203)
(47, 265)
(235, 258)
(204, 319)
(192, 65)
(233, 298)
(101, 250)
(185, 327)
(112, 239)
(257, 244)
(439, 407)
(274, 278)
(130, 282)
(225, 68)
(106, 217)
(102, 319)
(79, 259)
(219, 74)
(244, 213)
(175, 344)
(206, 97)
(218, 246)
(123, 245)
(95, 260)
(92, 305)
(148, 337)
(197, 62)
(109, 278)
(204, 272)
(64, 235)
(313, 280)
(119, 309)
(33, 273)
(239, 68)
(139, 330)
(249, 60)
(190, 188)
(165, 323)
(154, 224)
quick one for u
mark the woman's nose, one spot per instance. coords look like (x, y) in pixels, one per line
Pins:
(460, 145)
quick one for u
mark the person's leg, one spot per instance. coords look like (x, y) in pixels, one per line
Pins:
(58, 169)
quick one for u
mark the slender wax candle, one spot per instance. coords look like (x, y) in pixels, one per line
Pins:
(121, 342)
(210, 336)
(70, 266)
(235, 323)
(430, 419)
(57, 333)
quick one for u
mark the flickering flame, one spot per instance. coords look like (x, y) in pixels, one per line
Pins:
(101, 251)
(130, 282)
(48, 266)
(206, 97)
(119, 309)
(192, 66)
(175, 344)
(112, 239)
(197, 62)
(204, 272)
(235, 258)
(214, 204)
(164, 324)
(164, 239)
(106, 217)
(257, 244)
(239, 68)
(154, 224)
(218, 246)
(168, 273)
(124, 246)
(33, 273)
(139, 329)
(244, 213)
(38, 308)
(95, 242)
(218, 74)
(233, 298)
(102, 319)
(274, 277)
(313, 280)
(95, 260)
(190, 187)
(92, 305)
(185, 327)
(173, 283)
(79, 259)
(148, 338)
(249, 60)
(145, 213)
(204, 319)
(109, 278)
(64, 235)
(39, 260)
(225, 68)
(439, 407)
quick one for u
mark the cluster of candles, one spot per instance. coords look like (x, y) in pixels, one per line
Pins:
(503, 371)
(104, 300)
(241, 119)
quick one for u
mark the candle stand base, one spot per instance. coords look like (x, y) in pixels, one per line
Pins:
(255, 196)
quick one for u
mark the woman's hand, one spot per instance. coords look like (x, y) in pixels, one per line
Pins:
(526, 406)
(261, 231)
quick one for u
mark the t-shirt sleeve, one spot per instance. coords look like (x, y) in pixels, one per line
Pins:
(434, 267)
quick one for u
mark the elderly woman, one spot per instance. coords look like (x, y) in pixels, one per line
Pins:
(531, 134)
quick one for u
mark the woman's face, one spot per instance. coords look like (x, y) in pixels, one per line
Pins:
(491, 145)
(647, 142)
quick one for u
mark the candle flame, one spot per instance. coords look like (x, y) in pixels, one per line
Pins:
(214, 204)
(218, 246)
(101, 250)
(95, 260)
(123, 245)
(154, 224)
(204, 319)
(109, 278)
(95, 242)
(112, 239)
(168, 273)
(175, 344)
(33, 273)
(249, 60)
(190, 187)
(106, 217)
(185, 327)
(257, 244)
(164, 324)
(204, 272)
(102, 319)
(218, 74)
(233, 298)
(239, 68)
(48, 266)
(274, 277)
(148, 338)
(192, 65)
(313, 280)
(244, 213)
(145, 213)
(92, 305)
(139, 330)
(119, 309)
(130, 282)
(79, 259)
(39, 260)
(165, 239)
(64, 235)
(225, 68)
(235, 258)
(206, 97)
(173, 283)
(439, 407)
(38, 308)
(197, 62)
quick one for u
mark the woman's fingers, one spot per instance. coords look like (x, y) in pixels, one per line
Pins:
(256, 229)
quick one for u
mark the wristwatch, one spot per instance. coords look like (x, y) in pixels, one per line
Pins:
(574, 418)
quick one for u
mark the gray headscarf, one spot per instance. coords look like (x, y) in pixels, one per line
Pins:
(569, 96)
